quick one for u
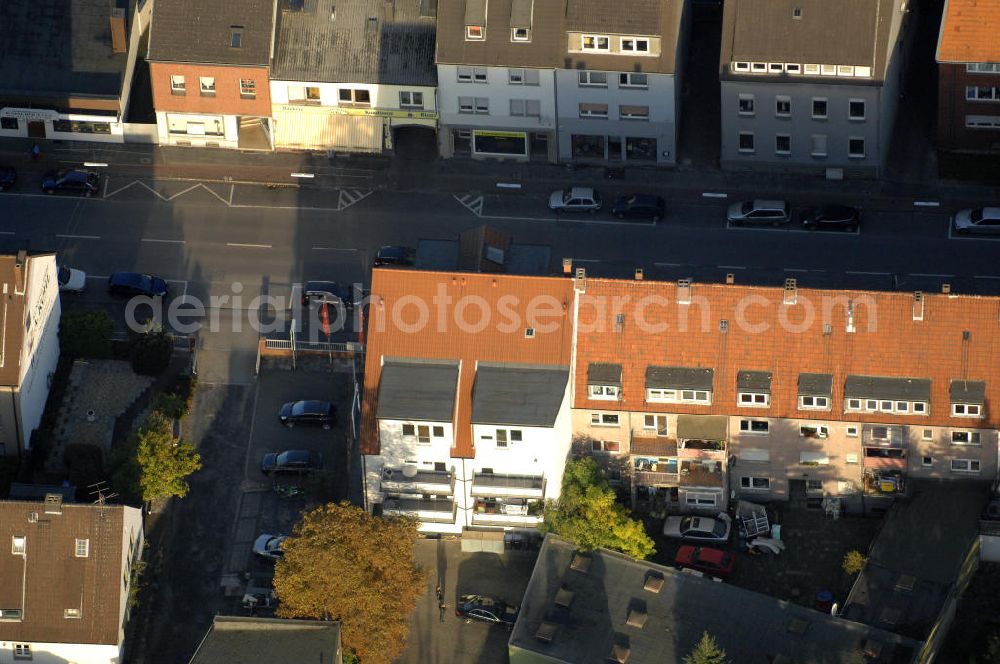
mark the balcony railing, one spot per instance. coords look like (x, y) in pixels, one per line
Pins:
(989, 527)
(654, 478)
(886, 463)
(522, 520)
(424, 509)
(884, 436)
(424, 481)
(697, 474)
(508, 486)
(879, 482)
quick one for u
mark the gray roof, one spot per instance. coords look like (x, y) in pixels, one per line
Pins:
(518, 394)
(54, 48)
(679, 378)
(922, 543)
(199, 31)
(749, 626)
(883, 387)
(422, 390)
(396, 48)
(233, 639)
(816, 384)
(754, 381)
(967, 391)
(604, 374)
(767, 31)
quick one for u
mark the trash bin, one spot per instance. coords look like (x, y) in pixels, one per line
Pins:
(824, 601)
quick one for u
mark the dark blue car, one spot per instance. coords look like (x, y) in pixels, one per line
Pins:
(291, 461)
(389, 256)
(314, 413)
(71, 181)
(486, 609)
(129, 284)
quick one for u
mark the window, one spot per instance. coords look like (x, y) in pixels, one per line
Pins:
(814, 485)
(501, 438)
(746, 105)
(12, 123)
(927, 434)
(634, 45)
(633, 112)
(819, 108)
(604, 392)
(982, 122)
(758, 483)
(604, 446)
(531, 77)
(515, 76)
(657, 423)
(409, 430)
(983, 68)
(793, 68)
(814, 403)
(927, 461)
(679, 396)
(964, 466)
(19, 544)
(966, 410)
(595, 43)
(533, 109)
(604, 419)
(818, 145)
(758, 67)
(474, 33)
(438, 432)
(741, 66)
(347, 96)
(919, 407)
(594, 79)
(480, 75)
(423, 434)
(593, 110)
(207, 86)
(525, 107)
(177, 85)
(782, 144)
(856, 109)
(965, 438)
(411, 99)
(754, 426)
(856, 147)
(753, 400)
(852, 432)
(464, 74)
(236, 36)
(811, 431)
(466, 104)
(520, 34)
(746, 141)
(82, 548)
(71, 613)
(630, 80)
(482, 106)
(22, 651)
(783, 107)
(248, 88)
(702, 499)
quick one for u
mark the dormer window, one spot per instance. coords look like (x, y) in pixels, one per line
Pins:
(236, 36)
(474, 33)
(595, 43)
(634, 45)
(967, 398)
(520, 34)
(966, 410)
(814, 403)
(753, 400)
(19, 545)
(605, 392)
(753, 389)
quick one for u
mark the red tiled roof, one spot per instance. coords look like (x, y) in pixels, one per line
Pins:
(509, 298)
(895, 345)
(969, 31)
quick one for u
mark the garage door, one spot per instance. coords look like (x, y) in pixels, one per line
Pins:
(324, 131)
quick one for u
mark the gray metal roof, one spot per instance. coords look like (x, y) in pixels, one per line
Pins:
(702, 427)
(418, 390)
(199, 31)
(967, 391)
(883, 387)
(813, 384)
(754, 381)
(367, 41)
(684, 378)
(604, 374)
(518, 395)
(750, 627)
(233, 639)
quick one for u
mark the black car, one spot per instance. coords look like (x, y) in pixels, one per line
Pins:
(291, 461)
(8, 177)
(71, 181)
(390, 256)
(330, 292)
(832, 218)
(128, 284)
(639, 206)
(486, 609)
(315, 413)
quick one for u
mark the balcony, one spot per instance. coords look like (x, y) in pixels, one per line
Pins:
(421, 481)
(695, 473)
(883, 436)
(516, 520)
(654, 471)
(651, 478)
(885, 459)
(702, 449)
(508, 486)
(879, 482)
(424, 509)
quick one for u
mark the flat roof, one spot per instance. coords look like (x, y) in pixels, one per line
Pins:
(234, 639)
(518, 394)
(418, 390)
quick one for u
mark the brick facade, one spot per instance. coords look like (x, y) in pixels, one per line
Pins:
(227, 99)
(953, 107)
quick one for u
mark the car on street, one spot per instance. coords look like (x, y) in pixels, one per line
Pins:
(697, 527)
(269, 546)
(309, 413)
(977, 221)
(71, 182)
(759, 212)
(70, 280)
(391, 256)
(577, 199)
(706, 559)
(639, 206)
(8, 177)
(291, 461)
(486, 609)
(831, 218)
(330, 292)
(129, 284)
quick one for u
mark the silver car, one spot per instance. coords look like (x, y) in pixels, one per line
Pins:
(979, 221)
(269, 546)
(759, 211)
(577, 199)
(701, 528)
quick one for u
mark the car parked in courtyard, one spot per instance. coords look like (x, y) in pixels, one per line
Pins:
(639, 206)
(269, 546)
(291, 461)
(831, 218)
(71, 182)
(696, 527)
(577, 199)
(486, 609)
(308, 413)
(129, 284)
(706, 559)
(977, 221)
(759, 212)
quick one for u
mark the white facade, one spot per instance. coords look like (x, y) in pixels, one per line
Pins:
(198, 130)
(59, 653)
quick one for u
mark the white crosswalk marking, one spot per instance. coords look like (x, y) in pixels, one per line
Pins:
(471, 202)
(349, 197)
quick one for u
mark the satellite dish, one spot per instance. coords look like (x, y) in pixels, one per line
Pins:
(409, 471)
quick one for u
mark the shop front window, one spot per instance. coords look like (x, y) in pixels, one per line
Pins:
(640, 149)
(588, 147)
(81, 127)
(500, 142)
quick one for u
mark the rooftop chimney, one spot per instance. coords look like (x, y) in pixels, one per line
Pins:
(53, 503)
(946, 289)
(119, 40)
(638, 274)
(791, 291)
(683, 291)
(730, 278)
(567, 266)
(850, 317)
(918, 305)
(580, 281)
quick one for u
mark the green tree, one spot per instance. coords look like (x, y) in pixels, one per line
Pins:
(706, 652)
(588, 514)
(163, 463)
(344, 564)
(151, 352)
(853, 563)
(85, 334)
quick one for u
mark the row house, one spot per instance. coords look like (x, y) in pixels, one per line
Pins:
(968, 59)
(466, 415)
(797, 96)
(782, 393)
(567, 80)
(353, 75)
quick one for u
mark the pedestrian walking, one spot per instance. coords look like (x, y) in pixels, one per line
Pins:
(441, 608)
(36, 152)
(440, 595)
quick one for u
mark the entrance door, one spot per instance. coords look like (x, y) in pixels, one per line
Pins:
(614, 148)
(36, 129)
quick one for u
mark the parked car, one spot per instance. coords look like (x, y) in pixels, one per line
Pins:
(8, 177)
(832, 218)
(978, 221)
(327, 291)
(486, 609)
(269, 546)
(639, 206)
(70, 280)
(314, 413)
(291, 461)
(706, 559)
(390, 256)
(577, 199)
(71, 181)
(128, 284)
(703, 528)
(760, 212)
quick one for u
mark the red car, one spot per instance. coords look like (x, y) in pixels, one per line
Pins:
(706, 559)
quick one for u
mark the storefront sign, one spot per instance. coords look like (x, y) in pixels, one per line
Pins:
(500, 143)
(29, 114)
(369, 112)
(500, 134)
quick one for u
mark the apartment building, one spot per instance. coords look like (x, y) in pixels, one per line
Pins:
(351, 76)
(968, 58)
(208, 65)
(798, 96)
(703, 391)
(466, 408)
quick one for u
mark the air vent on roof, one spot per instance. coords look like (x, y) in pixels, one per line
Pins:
(32, 517)
(730, 278)
(545, 632)
(683, 291)
(580, 281)
(637, 617)
(564, 597)
(619, 322)
(850, 317)
(53, 503)
(639, 274)
(654, 583)
(791, 291)
(567, 264)
(371, 24)
(905, 583)
(619, 654)
(918, 305)
(797, 626)
(723, 326)
(965, 335)
(529, 333)
(580, 563)
(827, 329)
(946, 289)
(71, 613)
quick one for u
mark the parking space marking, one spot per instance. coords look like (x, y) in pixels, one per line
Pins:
(471, 202)
(164, 241)
(78, 237)
(349, 197)
(249, 246)
(952, 235)
(729, 267)
(787, 228)
(927, 274)
(7, 233)
(334, 249)
(877, 274)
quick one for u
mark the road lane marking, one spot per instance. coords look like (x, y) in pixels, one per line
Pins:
(926, 204)
(248, 246)
(668, 264)
(586, 260)
(714, 194)
(153, 239)
(925, 274)
(78, 237)
(795, 269)
(731, 267)
(333, 249)
(985, 276)
(878, 274)
(7, 233)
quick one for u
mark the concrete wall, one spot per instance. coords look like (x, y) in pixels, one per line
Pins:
(40, 345)
(132, 541)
